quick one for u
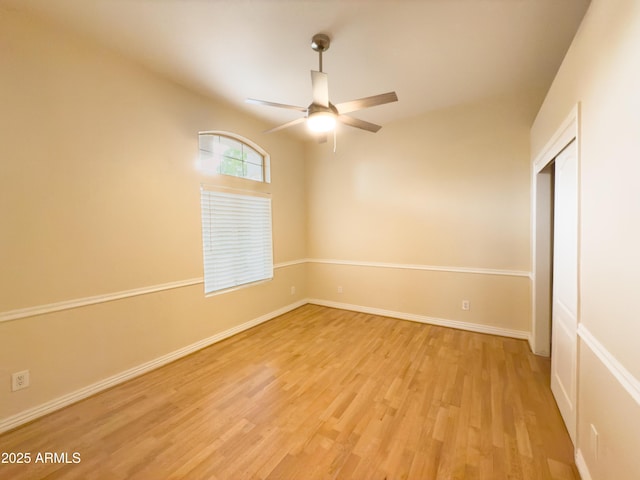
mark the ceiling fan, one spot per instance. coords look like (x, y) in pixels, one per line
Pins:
(321, 115)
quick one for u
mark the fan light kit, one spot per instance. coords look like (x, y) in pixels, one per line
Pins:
(321, 122)
(321, 115)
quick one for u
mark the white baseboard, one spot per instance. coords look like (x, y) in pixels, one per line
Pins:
(471, 327)
(77, 395)
(582, 466)
(532, 347)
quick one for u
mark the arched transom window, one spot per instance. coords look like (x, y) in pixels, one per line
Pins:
(229, 154)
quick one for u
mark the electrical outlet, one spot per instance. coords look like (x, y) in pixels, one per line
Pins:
(293, 290)
(340, 289)
(466, 305)
(19, 380)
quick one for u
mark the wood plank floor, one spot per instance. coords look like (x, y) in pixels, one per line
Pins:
(318, 393)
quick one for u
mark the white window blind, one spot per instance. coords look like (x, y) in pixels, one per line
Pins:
(237, 244)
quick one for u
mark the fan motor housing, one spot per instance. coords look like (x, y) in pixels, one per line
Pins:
(315, 108)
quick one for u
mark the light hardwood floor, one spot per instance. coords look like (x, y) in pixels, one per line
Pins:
(318, 393)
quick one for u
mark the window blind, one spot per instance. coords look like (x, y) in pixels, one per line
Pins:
(237, 242)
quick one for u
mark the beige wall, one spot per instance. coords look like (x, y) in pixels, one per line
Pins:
(602, 72)
(498, 303)
(448, 189)
(603, 402)
(99, 194)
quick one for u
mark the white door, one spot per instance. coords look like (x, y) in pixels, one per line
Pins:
(565, 286)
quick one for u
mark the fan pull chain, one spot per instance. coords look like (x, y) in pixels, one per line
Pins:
(335, 140)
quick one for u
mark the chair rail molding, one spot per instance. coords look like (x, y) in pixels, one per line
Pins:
(109, 297)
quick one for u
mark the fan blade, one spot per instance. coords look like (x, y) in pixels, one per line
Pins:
(286, 125)
(356, 122)
(367, 102)
(273, 104)
(320, 86)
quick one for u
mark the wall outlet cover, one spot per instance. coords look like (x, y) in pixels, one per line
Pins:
(19, 380)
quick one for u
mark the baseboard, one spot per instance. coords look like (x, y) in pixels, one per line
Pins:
(471, 327)
(77, 395)
(530, 342)
(583, 470)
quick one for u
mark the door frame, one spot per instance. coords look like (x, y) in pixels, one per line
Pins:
(541, 260)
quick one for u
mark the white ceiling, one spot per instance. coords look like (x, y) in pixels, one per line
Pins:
(433, 53)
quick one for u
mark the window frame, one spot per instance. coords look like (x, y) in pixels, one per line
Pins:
(266, 159)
